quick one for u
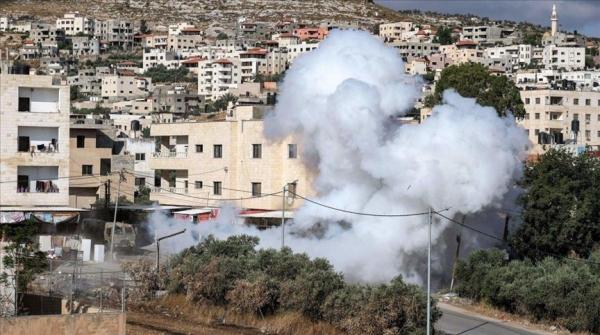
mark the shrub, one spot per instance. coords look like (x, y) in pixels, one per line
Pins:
(259, 295)
(562, 291)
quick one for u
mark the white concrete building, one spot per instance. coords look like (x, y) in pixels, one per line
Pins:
(125, 87)
(218, 77)
(203, 163)
(566, 58)
(4, 23)
(34, 154)
(552, 112)
(74, 23)
(85, 46)
(115, 32)
(395, 31)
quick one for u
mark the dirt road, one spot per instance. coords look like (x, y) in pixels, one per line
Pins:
(153, 324)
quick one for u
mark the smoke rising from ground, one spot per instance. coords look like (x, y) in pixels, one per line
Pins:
(340, 101)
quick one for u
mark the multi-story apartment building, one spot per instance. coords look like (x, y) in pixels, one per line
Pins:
(415, 49)
(46, 34)
(85, 46)
(394, 31)
(183, 42)
(4, 23)
(34, 155)
(252, 62)
(155, 41)
(125, 85)
(218, 77)
(566, 58)
(207, 163)
(516, 54)
(296, 50)
(551, 114)
(490, 35)
(155, 57)
(74, 24)
(311, 34)
(115, 32)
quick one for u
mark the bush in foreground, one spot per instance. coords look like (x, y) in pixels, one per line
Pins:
(233, 274)
(563, 291)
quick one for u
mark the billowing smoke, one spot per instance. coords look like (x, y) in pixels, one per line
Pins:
(341, 101)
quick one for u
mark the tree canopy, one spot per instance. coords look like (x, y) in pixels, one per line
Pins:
(474, 80)
(443, 36)
(160, 74)
(561, 207)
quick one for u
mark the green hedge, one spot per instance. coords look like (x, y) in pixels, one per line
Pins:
(563, 291)
(233, 273)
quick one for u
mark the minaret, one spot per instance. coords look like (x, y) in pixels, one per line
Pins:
(554, 19)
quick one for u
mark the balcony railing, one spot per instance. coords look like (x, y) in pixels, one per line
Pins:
(41, 186)
(170, 154)
(158, 189)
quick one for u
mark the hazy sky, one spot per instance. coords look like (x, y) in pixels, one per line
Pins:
(580, 15)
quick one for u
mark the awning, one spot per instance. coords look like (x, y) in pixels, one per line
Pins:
(268, 215)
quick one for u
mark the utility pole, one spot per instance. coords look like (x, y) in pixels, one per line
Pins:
(106, 193)
(429, 278)
(456, 256)
(112, 231)
(283, 217)
(506, 221)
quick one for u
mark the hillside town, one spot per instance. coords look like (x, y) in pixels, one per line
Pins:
(115, 120)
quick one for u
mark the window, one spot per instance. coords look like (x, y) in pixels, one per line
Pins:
(588, 102)
(23, 145)
(86, 170)
(292, 150)
(588, 118)
(575, 116)
(104, 166)
(575, 101)
(22, 183)
(199, 148)
(256, 151)
(256, 189)
(537, 101)
(218, 151)
(140, 181)
(140, 156)
(23, 104)
(291, 187)
(217, 188)
(80, 141)
(527, 101)
(198, 184)
(537, 132)
(537, 116)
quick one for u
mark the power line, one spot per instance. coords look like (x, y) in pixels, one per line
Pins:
(360, 213)
(504, 242)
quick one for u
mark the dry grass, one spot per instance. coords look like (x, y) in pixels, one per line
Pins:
(289, 323)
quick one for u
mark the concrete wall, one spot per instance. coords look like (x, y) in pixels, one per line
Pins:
(11, 120)
(76, 324)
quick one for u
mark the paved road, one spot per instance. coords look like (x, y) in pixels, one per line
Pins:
(457, 321)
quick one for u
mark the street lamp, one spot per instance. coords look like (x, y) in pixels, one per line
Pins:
(158, 246)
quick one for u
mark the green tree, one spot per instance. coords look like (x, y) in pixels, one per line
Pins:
(444, 36)
(222, 36)
(474, 81)
(561, 206)
(20, 257)
(160, 74)
(74, 92)
(533, 38)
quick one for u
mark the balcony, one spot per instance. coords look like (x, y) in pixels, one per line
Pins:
(158, 189)
(38, 100)
(170, 154)
(37, 179)
(37, 139)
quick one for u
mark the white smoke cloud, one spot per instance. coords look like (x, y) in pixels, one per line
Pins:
(340, 101)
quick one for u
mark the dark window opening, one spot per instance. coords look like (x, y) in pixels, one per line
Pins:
(217, 188)
(256, 189)
(23, 143)
(86, 170)
(80, 141)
